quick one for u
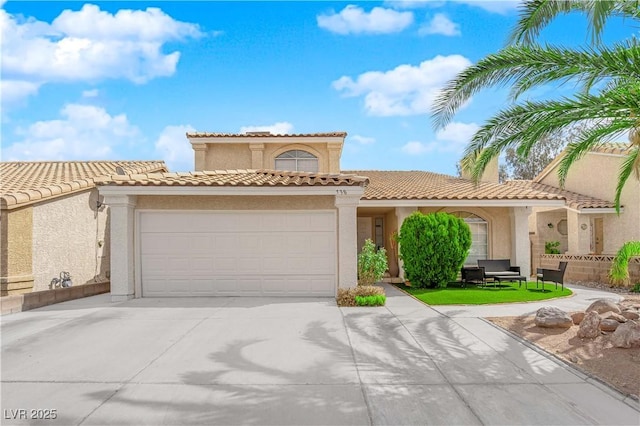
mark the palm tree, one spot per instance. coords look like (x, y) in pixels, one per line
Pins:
(609, 102)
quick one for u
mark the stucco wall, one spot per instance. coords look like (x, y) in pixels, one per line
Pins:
(498, 222)
(16, 250)
(225, 156)
(582, 179)
(70, 234)
(302, 202)
(228, 157)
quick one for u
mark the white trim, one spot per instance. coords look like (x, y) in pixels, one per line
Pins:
(461, 203)
(231, 190)
(266, 139)
(598, 210)
(137, 256)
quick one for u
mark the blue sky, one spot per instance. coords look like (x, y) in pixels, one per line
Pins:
(126, 80)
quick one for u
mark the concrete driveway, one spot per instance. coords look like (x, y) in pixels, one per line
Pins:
(284, 361)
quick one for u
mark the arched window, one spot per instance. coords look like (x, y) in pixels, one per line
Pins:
(297, 161)
(479, 237)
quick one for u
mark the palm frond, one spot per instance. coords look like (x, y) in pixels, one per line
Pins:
(628, 166)
(528, 66)
(619, 272)
(537, 14)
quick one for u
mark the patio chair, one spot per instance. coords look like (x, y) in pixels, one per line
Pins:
(472, 275)
(552, 275)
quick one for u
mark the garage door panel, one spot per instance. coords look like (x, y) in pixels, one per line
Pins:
(237, 253)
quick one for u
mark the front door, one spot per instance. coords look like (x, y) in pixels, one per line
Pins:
(598, 234)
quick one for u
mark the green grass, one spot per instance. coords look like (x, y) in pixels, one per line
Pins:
(505, 292)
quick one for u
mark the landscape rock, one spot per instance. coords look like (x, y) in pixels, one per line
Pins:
(577, 317)
(631, 315)
(627, 335)
(603, 305)
(609, 324)
(613, 316)
(590, 326)
(552, 317)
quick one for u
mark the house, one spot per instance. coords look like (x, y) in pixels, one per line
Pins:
(590, 232)
(273, 215)
(52, 220)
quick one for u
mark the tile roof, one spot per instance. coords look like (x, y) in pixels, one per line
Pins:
(573, 199)
(265, 135)
(235, 178)
(419, 185)
(26, 182)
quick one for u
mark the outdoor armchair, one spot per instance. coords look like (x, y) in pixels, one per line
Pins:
(552, 275)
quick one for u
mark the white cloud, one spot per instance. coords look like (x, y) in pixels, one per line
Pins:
(404, 90)
(15, 91)
(90, 93)
(497, 6)
(173, 147)
(453, 138)
(440, 24)
(501, 7)
(354, 20)
(84, 132)
(91, 44)
(362, 140)
(280, 128)
(416, 148)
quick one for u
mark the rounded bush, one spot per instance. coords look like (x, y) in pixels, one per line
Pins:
(433, 248)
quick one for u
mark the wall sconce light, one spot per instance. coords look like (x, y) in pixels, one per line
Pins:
(583, 226)
(550, 225)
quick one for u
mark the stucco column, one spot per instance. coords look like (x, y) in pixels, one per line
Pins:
(257, 156)
(520, 244)
(121, 210)
(579, 233)
(334, 156)
(347, 240)
(200, 151)
(401, 214)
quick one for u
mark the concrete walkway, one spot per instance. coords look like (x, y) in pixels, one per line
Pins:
(284, 361)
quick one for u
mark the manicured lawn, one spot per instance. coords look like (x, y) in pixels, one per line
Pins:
(472, 295)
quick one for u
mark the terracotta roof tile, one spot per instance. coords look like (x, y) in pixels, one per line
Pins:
(573, 199)
(25, 182)
(264, 135)
(235, 178)
(419, 185)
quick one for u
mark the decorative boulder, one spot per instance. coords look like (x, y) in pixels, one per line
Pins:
(631, 315)
(613, 316)
(577, 317)
(590, 326)
(603, 305)
(609, 324)
(552, 317)
(627, 335)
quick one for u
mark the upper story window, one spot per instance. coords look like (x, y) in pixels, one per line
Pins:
(297, 161)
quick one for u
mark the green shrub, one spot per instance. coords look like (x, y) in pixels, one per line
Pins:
(373, 300)
(551, 247)
(636, 288)
(347, 296)
(371, 264)
(433, 248)
(619, 272)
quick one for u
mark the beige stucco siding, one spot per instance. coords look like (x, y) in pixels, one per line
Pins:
(262, 155)
(583, 179)
(70, 234)
(16, 248)
(302, 202)
(228, 157)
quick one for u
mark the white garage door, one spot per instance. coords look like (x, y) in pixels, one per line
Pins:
(238, 253)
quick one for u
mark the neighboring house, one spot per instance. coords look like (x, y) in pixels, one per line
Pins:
(241, 225)
(589, 231)
(52, 220)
